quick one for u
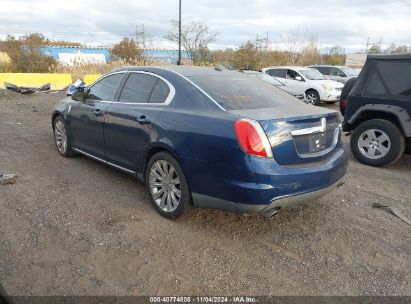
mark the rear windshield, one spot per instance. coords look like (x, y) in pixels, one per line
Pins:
(243, 92)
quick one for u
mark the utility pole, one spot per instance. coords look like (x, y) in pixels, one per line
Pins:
(179, 33)
(141, 37)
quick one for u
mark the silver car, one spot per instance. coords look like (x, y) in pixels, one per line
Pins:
(336, 73)
(300, 94)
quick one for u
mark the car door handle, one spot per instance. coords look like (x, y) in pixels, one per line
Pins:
(143, 120)
(98, 112)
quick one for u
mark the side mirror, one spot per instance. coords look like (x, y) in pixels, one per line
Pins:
(298, 78)
(78, 95)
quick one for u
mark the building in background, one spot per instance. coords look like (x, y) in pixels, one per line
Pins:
(166, 56)
(78, 55)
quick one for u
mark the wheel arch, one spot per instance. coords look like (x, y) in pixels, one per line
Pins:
(54, 116)
(394, 114)
(162, 147)
(154, 149)
(312, 89)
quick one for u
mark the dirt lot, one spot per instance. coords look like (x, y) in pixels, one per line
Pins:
(76, 227)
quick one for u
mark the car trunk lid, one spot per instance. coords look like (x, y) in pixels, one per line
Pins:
(300, 135)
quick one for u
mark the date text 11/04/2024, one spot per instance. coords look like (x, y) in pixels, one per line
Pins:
(204, 299)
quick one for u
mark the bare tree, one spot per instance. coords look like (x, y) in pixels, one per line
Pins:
(336, 50)
(295, 43)
(310, 54)
(396, 49)
(195, 38)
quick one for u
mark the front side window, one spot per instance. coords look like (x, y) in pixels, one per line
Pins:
(106, 88)
(323, 70)
(349, 71)
(291, 74)
(312, 74)
(337, 72)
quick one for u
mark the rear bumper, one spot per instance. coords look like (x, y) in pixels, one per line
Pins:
(266, 186)
(265, 210)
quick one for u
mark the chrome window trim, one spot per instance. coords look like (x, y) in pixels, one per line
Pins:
(200, 89)
(103, 161)
(104, 76)
(167, 101)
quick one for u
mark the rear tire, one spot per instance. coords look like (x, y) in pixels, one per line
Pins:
(313, 97)
(167, 186)
(377, 142)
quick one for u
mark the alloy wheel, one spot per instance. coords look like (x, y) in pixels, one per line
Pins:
(312, 98)
(165, 185)
(60, 136)
(374, 143)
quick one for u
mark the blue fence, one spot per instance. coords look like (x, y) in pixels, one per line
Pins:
(168, 56)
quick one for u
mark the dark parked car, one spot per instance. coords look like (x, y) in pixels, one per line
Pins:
(378, 110)
(208, 137)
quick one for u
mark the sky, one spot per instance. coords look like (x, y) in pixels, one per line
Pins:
(348, 23)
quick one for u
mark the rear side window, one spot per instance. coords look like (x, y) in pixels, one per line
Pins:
(160, 92)
(106, 88)
(240, 92)
(277, 72)
(390, 77)
(138, 88)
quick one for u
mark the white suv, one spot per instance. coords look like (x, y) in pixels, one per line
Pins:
(310, 81)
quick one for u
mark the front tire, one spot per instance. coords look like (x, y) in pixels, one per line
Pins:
(377, 142)
(167, 186)
(61, 137)
(313, 97)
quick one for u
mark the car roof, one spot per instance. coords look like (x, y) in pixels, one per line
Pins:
(250, 72)
(325, 66)
(389, 57)
(291, 67)
(182, 70)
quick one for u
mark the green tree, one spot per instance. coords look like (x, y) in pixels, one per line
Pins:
(245, 57)
(26, 55)
(127, 50)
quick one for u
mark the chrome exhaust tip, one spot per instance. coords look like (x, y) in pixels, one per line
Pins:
(271, 213)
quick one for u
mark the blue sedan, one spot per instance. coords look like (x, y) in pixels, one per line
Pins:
(205, 137)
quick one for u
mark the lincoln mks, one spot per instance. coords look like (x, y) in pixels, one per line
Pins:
(205, 137)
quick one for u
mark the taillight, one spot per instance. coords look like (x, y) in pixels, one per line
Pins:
(344, 103)
(252, 139)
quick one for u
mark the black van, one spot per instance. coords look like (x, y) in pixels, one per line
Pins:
(378, 110)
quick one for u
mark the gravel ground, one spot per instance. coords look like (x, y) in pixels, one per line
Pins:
(76, 227)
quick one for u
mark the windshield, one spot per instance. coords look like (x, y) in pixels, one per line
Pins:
(241, 92)
(312, 74)
(349, 71)
(268, 79)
